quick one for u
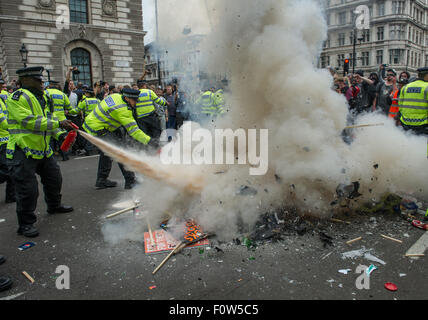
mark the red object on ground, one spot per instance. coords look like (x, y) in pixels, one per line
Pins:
(420, 225)
(390, 286)
(69, 140)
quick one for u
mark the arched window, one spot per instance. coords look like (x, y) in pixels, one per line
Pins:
(81, 59)
(79, 11)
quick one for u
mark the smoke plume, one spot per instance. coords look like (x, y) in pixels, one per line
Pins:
(268, 49)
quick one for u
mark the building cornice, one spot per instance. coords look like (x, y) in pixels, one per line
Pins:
(4, 18)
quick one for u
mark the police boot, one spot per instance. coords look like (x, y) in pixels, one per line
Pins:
(2, 259)
(28, 231)
(130, 184)
(60, 209)
(104, 184)
(5, 283)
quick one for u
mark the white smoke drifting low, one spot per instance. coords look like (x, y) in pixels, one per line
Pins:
(268, 47)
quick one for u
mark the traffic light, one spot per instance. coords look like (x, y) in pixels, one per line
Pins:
(346, 67)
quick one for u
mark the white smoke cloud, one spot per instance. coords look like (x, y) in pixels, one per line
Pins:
(268, 48)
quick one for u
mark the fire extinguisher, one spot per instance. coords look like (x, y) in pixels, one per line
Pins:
(70, 139)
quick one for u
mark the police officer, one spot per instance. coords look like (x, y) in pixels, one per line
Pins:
(413, 104)
(115, 112)
(84, 108)
(31, 126)
(3, 92)
(4, 169)
(146, 116)
(59, 103)
(208, 105)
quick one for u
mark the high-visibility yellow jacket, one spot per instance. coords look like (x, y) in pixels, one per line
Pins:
(146, 103)
(110, 115)
(60, 103)
(210, 104)
(413, 104)
(86, 106)
(30, 126)
(4, 95)
(4, 134)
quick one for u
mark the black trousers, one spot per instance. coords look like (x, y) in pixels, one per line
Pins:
(417, 130)
(24, 174)
(150, 125)
(105, 163)
(5, 174)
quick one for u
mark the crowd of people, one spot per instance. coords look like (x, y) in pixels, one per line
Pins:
(37, 117)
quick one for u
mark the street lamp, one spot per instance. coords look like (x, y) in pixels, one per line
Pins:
(24, 55)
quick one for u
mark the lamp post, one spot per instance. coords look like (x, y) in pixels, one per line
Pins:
(24, 55)
(157, 43)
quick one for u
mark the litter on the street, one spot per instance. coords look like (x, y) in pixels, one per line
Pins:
(391, 286)
(354, 240)
(28, 276)
(370, 269)
(389, 238)
(164, 241)
(345, 271)
(26, 246)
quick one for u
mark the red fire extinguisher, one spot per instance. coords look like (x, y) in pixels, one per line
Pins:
(69, 140)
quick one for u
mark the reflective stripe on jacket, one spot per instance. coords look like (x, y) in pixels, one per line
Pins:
(30, 126)
(110, 115)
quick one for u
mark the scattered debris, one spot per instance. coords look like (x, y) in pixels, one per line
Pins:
(389, 203)
(28, 276)
(348, 191)
(370, 269)
(338, 220)
(247, 191)
(354, 240)
(345, 271)
(390, 286)
(402, 275)
(152, 287)
(363, 252)
(26, 246)
(219, 250)
(420, 225)
(2, 220)
(326, 239)
(389, 238)
(251, 258)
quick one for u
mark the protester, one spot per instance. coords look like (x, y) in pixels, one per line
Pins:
(383, 98)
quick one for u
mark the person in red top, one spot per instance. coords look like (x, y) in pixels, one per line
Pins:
(395, 95)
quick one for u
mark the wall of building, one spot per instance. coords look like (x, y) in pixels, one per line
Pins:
(383, 14)
(114, 37)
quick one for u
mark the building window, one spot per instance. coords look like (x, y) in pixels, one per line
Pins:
(340, 59)
(342, 18)
(398, 7)
(341, 39)
(366, 36)
(379, 57)
(325, 61)
(397, 32)
(81, 59)
(381, 9)
(396, 56)
(365, 58)
(79, 11)
(380, 31)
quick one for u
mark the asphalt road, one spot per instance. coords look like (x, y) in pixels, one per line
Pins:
(299, 267)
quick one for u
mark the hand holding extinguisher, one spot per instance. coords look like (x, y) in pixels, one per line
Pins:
(71, 137)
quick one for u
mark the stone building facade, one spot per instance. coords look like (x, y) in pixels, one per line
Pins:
(398, 35)
(104, 38)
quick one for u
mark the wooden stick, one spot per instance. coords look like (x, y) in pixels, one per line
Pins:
(120, 212)
(414, 255)
(28, 276)
(341, 221)
(150, 232)
(354, 240)
(169, 256)
(389, 238)
(365, 125)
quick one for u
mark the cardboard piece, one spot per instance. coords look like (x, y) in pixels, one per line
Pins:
(164, 242)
